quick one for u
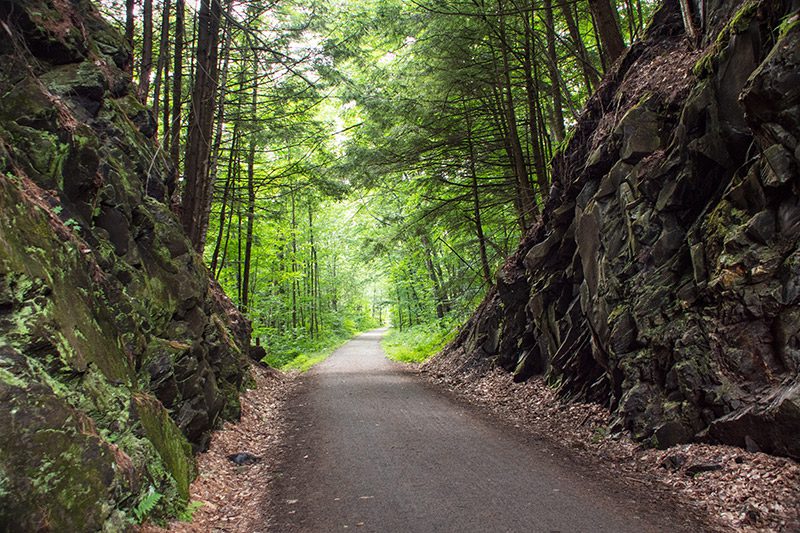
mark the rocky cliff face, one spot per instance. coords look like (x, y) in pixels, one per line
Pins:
(117, 355)
(663, 279)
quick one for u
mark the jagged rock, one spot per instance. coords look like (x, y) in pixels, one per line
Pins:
(765, 424)
(674, 461)
(244, 458)
(257, 353)
(118, 355)
(662, 278)
(639, 129)
(699, 468)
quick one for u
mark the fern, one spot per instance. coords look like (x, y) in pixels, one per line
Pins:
(187, 514)
(147, 504)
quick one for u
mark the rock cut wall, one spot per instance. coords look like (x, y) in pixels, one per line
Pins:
(663, 279)
(117, 353)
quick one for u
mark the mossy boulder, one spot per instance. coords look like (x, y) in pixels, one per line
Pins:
(118, 354)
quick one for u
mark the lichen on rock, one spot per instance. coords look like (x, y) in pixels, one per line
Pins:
(118, 354)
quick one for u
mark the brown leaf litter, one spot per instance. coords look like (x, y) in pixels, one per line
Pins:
(234, 497)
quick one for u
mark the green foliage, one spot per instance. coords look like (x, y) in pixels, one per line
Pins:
(299, 352)
(187, 514)
(147, 504)
(599, 434)
(419, 343)
(72, 224)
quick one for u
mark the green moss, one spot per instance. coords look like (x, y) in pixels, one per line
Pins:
(561, 147)
(167, 439)
(616, 313)
(789, 23)
(741, 19)
(10, 379)
(739, 22)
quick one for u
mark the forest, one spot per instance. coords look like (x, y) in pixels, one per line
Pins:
(578, 219)
(348, 164)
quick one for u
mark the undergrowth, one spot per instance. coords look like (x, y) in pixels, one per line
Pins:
(298, 351)
(419, 343)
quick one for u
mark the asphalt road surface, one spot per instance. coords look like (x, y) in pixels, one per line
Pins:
(373, 448)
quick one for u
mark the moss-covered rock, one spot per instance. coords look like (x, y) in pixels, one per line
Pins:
(118, 355)
(662, 278)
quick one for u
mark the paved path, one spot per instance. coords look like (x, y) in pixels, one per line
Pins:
(372, 448)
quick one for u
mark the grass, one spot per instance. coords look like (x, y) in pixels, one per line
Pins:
(305, 361)
(418, 343)
(299, 352)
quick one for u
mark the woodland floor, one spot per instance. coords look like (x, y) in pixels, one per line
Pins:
(747, 492)
(236, 498)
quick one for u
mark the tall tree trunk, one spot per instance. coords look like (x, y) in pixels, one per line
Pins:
(438, 291)
(519, 166)
(161, 66)
(607, 26)
(688, 21)
(129, 29)
(312, 263)
(399, 305)
(251, 202)
(197, 192)
(223, 83)
(166, 133)
(229, 225)
(536, 131)
(334, 284)
(146, 63)
(177, 92)
(587, 68)
(552, 67)
(222, 214)
(239, 254)
(476, 203)
(294, 259)
(229, 181)
(497, 114)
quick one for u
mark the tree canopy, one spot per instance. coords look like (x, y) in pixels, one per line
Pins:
(343, 164)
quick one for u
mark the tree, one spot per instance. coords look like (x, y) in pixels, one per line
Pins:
(607, 26)
(196, 203)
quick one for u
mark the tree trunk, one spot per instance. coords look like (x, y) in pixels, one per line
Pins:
(294, 260)
(177, 93)
(532, 92)
(223, 82)
(334, 284)
(610, 36)
(476, 204)
(251, 203)
(313, 321)
(161, 64)
(438, 290)
(146, 62)
(239, 254)
(222, 213)
(527, 198)
(552, 64)
(129, 29)
(589, 72)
